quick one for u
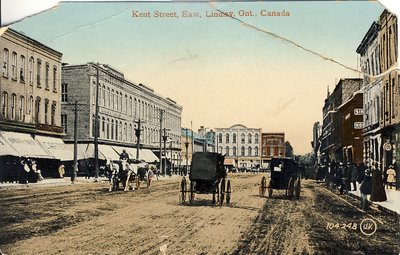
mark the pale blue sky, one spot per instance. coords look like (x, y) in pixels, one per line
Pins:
(221, 72)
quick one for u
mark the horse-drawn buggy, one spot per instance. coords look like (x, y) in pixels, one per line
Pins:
(285, 175)
(207, 176)
(130, 173)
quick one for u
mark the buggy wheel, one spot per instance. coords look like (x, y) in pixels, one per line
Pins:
(228, 192)
(182, 195)
(290, 188)
(215, 194)
(222, 192)
(192, 190)
(263, 186)
(269, 189)
(297, 188)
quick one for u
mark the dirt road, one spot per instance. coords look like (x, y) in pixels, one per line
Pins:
(87, 219)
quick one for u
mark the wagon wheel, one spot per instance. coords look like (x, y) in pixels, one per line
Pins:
(215, 194)
(222, 192)
(192, 192)
(269, 189)
(290, 188)
(182, 196)
(297, 188)
(228, 192)
(263, 186)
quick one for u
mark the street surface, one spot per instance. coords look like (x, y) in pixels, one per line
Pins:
(87, 219)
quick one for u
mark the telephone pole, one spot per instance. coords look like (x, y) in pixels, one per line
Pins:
(97, 129)
(165, 160)
(75, 171)
(187, 152)
(161, 121)
(137, 133)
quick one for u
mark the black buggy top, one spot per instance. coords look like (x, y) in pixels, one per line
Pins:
(207, 166)
(282, 169)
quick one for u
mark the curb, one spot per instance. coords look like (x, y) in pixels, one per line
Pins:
(380, 207)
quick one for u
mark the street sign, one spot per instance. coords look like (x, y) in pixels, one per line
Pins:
(358, 111)
(358, 125)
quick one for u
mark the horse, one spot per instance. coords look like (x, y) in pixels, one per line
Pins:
(113, 174)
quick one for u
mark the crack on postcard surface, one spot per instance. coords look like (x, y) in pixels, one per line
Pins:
(297, 45)
(92, 24)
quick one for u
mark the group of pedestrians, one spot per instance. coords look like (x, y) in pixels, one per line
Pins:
(342, 176)
(29, 171)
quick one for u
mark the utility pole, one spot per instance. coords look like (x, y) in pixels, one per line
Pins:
(137, 133)
(187, 153)
(97, 129)
(165, 140)
(75, 171)
(161, 121)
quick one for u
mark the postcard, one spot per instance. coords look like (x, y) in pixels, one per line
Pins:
(197, 127)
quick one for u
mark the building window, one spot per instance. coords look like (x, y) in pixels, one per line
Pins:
(234, 139)
(112, 129)
(249, 138)
(64, 122)
(30, 106)
(14, 66)
(227, 151)
(108, 97)
(227, 138)
(249, 151)
(256, 138)
(64, 92)
(242, 138)
(104, 95)
(47, 76)
(38, 71)
(103, 127)
(5, 62)
(256, 151)
(31, 66)
(220, 139)
(242, 151)
(55, 79)
(46, 111)
(112, 100)
(53, 113)
(13, 105)
(21, 108)
(4, 104)
(130, 106)
(234, 151)
(22, 70)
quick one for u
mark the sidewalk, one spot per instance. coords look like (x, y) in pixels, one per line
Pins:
(393, 199)
(66, 181)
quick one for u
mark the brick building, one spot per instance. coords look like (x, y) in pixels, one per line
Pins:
(30, 107)
(272, 145)
(390, 93)
(331, 137)
(121, 105)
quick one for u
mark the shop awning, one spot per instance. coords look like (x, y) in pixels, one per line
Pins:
(229, 162)
(6, 149)
(56, 147)
(81, 150)
(148, 156)
(108, 152)
(25, 145)
(130, 151)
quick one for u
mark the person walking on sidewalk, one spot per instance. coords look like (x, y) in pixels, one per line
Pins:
(366, 189)
(354, 176)
(391, 177)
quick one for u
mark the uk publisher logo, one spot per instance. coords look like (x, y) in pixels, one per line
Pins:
(368, 227)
